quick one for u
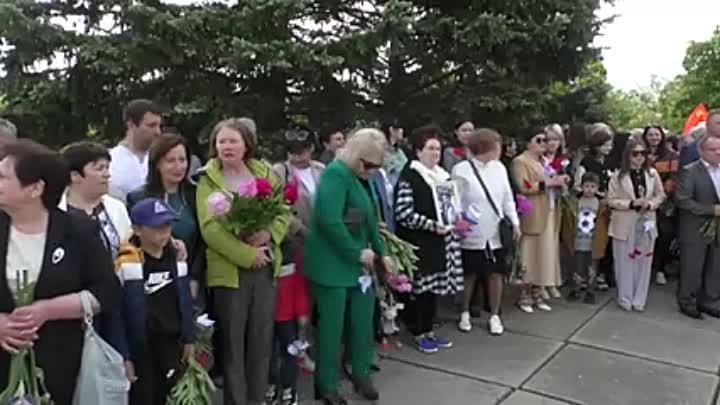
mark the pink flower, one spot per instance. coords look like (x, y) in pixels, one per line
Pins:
(403, 279)
(247, 189)
(263, 187)
(218, 204)
(523, 205)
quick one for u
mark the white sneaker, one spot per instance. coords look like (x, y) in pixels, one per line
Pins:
(495, 325)
(660, 278)
(527, 308)
(554, 292)
(543, 306)
(544, 293)
(464, 325)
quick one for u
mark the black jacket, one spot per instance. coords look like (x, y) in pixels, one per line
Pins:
(83, 265)
(196, 247)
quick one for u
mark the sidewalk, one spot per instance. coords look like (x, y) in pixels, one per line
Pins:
(576, 354)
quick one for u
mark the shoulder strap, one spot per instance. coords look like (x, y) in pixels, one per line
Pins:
(484, 187)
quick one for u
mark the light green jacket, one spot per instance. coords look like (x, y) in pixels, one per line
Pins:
(225, 252)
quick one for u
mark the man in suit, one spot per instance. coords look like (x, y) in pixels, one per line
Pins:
(698, 200)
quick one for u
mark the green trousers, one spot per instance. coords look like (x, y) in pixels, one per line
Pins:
(330, 303)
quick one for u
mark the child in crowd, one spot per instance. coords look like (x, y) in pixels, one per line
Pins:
(157, 304)
(584, 272)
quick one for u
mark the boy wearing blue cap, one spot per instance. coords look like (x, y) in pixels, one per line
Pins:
(157, 304)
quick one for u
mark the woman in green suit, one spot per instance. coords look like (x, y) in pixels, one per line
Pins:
(341, 247)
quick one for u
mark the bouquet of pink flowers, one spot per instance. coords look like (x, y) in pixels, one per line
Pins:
(250, 209)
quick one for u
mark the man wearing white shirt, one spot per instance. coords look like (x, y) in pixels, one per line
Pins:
(129, 165)
(698, 200)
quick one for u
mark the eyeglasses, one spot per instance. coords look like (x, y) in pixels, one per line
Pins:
(370, 165)
(638, 153)
(300, 135)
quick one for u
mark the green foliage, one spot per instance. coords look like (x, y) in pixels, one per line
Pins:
(508, 64)
(701, 83)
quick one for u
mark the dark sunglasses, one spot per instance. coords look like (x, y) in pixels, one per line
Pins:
(370, 165)
(540, 140)
(297, 135)
(638, 153)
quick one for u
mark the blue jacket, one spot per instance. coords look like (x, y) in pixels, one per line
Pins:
(378, 182)
(689, 153)
(129, 331)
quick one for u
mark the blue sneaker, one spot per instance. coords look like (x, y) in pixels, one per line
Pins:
(441, 342)
(426, 345)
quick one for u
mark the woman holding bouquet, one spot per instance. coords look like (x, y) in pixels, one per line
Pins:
(241, 269)
(634, 194)
(439, 271)
(340, 252)
(60, 256)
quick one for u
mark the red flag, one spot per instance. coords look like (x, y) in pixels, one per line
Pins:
(698, 115)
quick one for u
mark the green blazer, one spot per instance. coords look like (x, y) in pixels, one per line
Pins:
(332, 248)
(225, 252)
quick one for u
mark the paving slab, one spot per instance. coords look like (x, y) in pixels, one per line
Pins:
(595, 377)
(662, 306)
(526, 398)
(507, 359)
(652, 339)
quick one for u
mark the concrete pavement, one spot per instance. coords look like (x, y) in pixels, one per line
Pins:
(576, 354)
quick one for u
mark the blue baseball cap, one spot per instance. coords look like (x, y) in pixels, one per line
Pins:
(152, 212)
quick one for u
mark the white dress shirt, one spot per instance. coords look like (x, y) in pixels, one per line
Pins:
(496, 180)
(127, 171)
(714, 175)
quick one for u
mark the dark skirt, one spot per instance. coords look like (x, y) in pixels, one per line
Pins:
(484, 262)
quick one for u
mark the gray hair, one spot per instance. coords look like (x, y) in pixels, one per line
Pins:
(363, 143)
(249, 123)
(8, 129)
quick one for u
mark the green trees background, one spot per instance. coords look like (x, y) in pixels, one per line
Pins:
(70, 66)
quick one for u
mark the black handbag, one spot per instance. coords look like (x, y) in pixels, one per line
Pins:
(505, 228)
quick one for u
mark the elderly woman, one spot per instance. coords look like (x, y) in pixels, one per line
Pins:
(439, 271)
(341, 247)
(634, 194)
(540, 244)
(482, 251)
(168, 168)
(241, 272)
(61, 254)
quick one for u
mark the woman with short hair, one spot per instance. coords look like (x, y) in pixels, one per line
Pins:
(61, 254)
(482, 250)
(341, 247)
(439, 265)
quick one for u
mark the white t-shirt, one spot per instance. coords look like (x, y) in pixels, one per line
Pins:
(127, 171)
(25, 252)
(308, 180)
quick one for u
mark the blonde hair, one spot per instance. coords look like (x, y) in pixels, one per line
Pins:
(241, 126)
(364, 143)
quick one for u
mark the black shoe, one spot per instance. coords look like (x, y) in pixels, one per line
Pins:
(374, 368)
(366, 389)
(574, 295)
(714, 312)
(691, 312)
(329, 399)
(589, 298)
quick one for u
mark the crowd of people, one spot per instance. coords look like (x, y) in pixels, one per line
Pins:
(133, 227)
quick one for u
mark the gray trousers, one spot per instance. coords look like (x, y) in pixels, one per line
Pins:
(632, 276)
(245, 316)
(699, 275)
